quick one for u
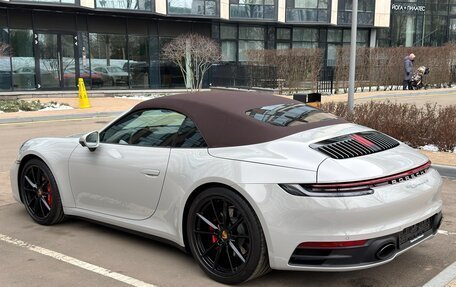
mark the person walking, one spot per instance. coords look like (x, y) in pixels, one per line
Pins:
(408, 68)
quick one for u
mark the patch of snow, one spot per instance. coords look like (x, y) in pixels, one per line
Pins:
(429, 147)
(56, 107)
(1, 112)
(139, 98)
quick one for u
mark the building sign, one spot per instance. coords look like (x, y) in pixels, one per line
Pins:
(408, 8)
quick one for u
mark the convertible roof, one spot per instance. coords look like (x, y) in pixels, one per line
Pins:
(221, 116)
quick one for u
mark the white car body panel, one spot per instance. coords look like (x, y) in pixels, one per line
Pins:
(255, 172)
(55, 152)
(128, 179)
(291, 151)
(376, 165)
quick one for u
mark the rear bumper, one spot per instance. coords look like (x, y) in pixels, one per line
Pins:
(289, 220)
(374, 251)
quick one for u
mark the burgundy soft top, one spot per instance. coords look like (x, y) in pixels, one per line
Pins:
(221, 116)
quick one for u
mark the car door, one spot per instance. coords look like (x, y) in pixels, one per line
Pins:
(124, 175)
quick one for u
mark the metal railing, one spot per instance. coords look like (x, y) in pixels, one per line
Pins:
(325, 84)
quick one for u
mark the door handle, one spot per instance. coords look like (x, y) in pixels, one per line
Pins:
(150, 172)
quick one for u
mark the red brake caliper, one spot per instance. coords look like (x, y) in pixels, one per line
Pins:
(214, 238)
(49, 197)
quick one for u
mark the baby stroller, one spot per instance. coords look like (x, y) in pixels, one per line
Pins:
(418, 76)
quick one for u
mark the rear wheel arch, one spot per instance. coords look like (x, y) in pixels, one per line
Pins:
(258, 264)
(188, 203)
(195, 193)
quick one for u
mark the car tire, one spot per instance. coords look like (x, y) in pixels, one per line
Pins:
(40, 194)
(225, 237)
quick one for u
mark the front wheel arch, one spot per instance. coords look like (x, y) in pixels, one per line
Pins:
(42, 187)
(24, 160)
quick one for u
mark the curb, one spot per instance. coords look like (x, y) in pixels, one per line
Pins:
(59, 117)
(445, 170)
(442, 91)
(443, 278)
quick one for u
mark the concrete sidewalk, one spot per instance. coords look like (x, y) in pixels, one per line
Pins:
(443, 97)
(100, 107)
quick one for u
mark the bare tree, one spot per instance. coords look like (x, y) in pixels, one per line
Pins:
(194, 54)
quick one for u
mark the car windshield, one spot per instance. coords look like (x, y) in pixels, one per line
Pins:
(114, 69)
(289, 114)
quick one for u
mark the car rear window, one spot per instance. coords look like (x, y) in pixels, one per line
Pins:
(289, 114)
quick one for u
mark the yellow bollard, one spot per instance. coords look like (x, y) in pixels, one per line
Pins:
(83, 98)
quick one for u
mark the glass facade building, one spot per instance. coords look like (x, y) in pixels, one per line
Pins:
(420, 23)
(116, 44)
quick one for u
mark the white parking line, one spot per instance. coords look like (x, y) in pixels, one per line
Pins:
(443, 278)
(444, 232)
(76, 262)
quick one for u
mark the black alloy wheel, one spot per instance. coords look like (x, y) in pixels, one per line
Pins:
(226, 238)
(40, 194)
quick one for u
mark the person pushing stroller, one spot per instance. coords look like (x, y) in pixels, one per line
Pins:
(408, 68)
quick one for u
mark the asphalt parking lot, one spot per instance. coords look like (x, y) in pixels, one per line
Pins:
(80, 253)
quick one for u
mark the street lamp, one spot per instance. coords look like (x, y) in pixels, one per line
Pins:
(352, 67)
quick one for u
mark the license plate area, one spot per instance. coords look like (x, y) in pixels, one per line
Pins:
(414, 233)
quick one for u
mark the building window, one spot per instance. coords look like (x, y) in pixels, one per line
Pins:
(366, 11)
(250, 39)
(283, 41)
(338, 37)
(452, 34)
(194, 7)
(5, 65)
(228, 38)
(23, 59)
(253, 9)
(307, 11)
(143, 5)
(362, 38)
(108, 59)
(138, 61)
(453, 8)
(305, 38)
(383, 37)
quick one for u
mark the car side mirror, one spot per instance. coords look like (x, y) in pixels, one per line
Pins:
(90, 140)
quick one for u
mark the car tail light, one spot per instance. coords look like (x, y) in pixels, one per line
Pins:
(322, 190)
(356, 188)
(334, 244)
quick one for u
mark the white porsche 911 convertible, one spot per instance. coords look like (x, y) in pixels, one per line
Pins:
(246, 182)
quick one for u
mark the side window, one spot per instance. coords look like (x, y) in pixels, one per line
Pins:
(154, 128)
(189, 136)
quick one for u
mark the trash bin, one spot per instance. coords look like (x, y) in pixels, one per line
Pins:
(311, 99)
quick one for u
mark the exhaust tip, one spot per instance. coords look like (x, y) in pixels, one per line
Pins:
(439, 222)
(386, 251)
